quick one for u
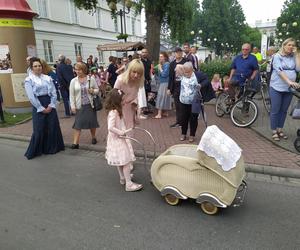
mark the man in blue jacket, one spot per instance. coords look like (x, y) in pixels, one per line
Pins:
(64, 76)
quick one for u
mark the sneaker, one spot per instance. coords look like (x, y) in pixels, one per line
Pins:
(94, 141)
(175, 125)
(133, 187)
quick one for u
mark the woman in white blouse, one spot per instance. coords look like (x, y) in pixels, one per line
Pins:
(82, 89)
(41, 92)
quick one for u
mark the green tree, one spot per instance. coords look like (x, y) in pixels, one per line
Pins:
(222, 23)
(252, 36)
(175, 15)
(288, 24)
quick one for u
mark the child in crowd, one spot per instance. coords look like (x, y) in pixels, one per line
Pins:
(216, 82)
(119, 151)
(103, 83)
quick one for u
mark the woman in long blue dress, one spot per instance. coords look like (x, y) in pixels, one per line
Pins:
(46, 137)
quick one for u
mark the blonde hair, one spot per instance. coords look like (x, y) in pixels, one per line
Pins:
(137, 66)
(285, 42)
(46, 67)
(216, 76)
(82, 66)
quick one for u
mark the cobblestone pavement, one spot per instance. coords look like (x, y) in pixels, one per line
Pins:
(256, 148)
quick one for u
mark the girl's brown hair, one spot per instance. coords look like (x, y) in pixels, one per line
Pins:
(114, 101)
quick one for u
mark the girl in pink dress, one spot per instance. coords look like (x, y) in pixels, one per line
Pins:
(119, 151)
(216, 82)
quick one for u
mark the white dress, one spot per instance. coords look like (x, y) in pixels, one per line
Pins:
(119, 151)
(142, 101)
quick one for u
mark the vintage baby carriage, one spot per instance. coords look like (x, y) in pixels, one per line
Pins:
(212, 173)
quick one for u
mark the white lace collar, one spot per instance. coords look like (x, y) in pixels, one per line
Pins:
(38, 79)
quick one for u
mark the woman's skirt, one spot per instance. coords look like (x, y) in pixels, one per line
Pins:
(46, 137)
(142, 101)
(163, 100)
(86, 118)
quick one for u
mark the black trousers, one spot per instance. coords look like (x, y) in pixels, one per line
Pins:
(177, 108)
(1, 112)
(187, 117)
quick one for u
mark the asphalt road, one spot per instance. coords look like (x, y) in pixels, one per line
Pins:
(72, 200)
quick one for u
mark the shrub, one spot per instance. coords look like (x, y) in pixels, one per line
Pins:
(216, 67)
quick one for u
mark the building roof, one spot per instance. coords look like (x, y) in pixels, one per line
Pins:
(122, 46)
(16, 9)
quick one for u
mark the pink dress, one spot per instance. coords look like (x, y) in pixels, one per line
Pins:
(119, 151)
(130, 97)
(216, 85)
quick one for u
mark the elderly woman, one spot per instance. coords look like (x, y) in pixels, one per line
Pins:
(191, 83)
(82, 89)
(130, 82)
(41, 92)
(286, 64)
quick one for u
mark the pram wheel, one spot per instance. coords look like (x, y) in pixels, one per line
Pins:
(171, 199)
(298, 132)
(209, 208)
(297, 143)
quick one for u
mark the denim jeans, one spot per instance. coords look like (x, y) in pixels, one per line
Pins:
(280, 102)
(65, 96)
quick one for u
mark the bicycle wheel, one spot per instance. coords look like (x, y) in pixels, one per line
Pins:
(222, 104)
(266, 97)
(244, 113)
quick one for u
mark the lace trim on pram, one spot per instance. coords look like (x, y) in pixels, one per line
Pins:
(215, 143)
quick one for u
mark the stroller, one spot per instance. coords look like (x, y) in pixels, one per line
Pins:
(296, 113)
(207, 173)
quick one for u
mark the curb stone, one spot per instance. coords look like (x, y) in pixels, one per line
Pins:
(250, 168)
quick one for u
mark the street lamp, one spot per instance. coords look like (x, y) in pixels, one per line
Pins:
(192, 32)
(127, 4)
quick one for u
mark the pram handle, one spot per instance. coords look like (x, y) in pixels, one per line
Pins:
(139, 143)
(151, 137)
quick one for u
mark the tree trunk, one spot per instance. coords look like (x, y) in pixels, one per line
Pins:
(153, 21)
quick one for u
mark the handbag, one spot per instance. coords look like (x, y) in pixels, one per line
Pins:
(96, 100)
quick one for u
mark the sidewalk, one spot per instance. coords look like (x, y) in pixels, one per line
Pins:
(262, 126)
(256, 149)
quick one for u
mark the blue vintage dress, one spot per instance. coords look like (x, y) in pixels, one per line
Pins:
(46, 137)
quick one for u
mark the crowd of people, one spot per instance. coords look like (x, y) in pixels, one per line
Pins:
(126, 85)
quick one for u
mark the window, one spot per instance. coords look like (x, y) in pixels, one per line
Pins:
(98, 18)
(42, 8)
(78, 49)
(74, 13)
(101, 57)
(48, 50)
(133, 26)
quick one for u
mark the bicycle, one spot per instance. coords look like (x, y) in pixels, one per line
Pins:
(264, 91)
(243, 112)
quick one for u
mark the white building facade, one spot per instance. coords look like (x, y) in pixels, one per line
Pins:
(61, 28)
(267, 30)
